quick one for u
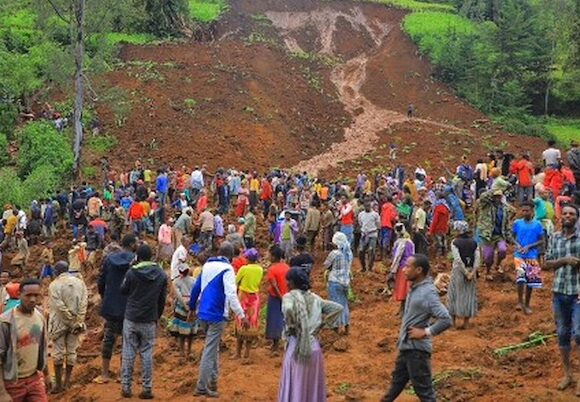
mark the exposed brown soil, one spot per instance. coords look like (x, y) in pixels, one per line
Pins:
(257, 107)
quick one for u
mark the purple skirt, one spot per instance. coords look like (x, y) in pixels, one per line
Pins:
(302, 382)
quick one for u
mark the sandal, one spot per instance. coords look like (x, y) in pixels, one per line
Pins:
(100, 380)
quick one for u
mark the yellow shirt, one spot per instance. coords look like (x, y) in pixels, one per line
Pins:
(249, 277)
(28, 338)
(255, 185)
(11, 223)
(147, 175)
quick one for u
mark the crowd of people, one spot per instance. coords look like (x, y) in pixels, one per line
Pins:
(210, 241)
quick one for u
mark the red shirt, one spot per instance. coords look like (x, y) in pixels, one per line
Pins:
(136, 212)
(277, 272)
(201, 204)
(524, 170)
(266, 191)
(388, 215)
(239, 262)
(346, 218)
(440, 223)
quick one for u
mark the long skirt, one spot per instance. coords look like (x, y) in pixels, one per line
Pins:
(338, 293)
(274, 318)
(402, 286)
(302, 381)
(250, 303)
(461, 295)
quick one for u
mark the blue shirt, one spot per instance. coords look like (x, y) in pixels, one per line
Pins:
(162, 183)
(526, 233)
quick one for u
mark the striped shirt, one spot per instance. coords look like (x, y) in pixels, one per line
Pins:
(566, 277)
(339, 266)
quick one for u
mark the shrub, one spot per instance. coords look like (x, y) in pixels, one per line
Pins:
(11, 188)
(41, 144)
(207, 10)
(524, 127)
(4, 157)
(41, 183)
(101, 144)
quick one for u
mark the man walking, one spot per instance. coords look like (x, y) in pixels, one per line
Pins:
(528, 235)
(145, 285)
(415, 344)
(370, 224)
(312, 224)
(563, 257)
(23, 348)
(214, 293)
(67, 304)
(113, 301)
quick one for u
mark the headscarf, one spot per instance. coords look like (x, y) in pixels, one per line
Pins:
(231, 228)
(461, 227)
(341, 242)
(300, 313)
(252, 254)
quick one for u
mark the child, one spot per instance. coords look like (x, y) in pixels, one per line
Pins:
(47, 261)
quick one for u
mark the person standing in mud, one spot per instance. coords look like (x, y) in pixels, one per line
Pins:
(563, 257)
(415, 337)
(145, 285)
(212, 296)
(23, 348)
(410, 111)
(67, 303)
(113, 302)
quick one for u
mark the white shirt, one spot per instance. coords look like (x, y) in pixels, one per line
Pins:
(551, 156)
(179, 255)
(197, 179)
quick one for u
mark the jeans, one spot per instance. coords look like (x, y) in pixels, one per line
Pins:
(348, 231)
(567, 315)
(113, 329)
(209, 364)
(414, 365)
(79, 229)
(489, 251)
(338, 293)
(138, 337)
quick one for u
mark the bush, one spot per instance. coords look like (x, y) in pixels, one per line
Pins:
(41, 144)
(11, 188)
(101, 144)
(4, 157)
(524, 126)
(207, 10)
(41, 183)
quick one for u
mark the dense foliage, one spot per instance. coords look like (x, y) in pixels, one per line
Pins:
(508, 58)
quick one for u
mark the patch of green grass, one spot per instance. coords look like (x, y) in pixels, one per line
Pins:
(430, 31)
(116, 38)
(414, 5)
(89, 172)
(207, 10)
(565, 130)
(102, 144)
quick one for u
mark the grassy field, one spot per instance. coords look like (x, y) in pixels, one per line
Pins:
(431, 30)
(207, 10)
(565, 130)
(415, 5)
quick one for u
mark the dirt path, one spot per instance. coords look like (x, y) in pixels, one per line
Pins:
(349, 76)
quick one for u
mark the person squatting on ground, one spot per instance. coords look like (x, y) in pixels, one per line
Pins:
(415, 344)
(67, 304)
(145, 286)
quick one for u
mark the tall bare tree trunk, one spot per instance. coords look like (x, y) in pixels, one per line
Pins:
(79, 14)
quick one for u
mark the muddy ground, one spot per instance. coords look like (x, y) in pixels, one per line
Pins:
(324, 87)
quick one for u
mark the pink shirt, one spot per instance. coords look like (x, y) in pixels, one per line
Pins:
(164, 235)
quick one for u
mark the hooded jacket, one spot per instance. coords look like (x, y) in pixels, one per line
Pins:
(145, 285)
(112, 273)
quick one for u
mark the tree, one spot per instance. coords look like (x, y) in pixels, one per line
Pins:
(167, 17)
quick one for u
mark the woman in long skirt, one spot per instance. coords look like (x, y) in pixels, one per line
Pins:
(276, 278)
(462, 292)
(248, 280)
(338, 265)
(181, 327)
(305, 313)
(402, 250)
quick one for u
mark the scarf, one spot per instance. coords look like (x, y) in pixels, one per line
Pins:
(341, 242)
(299, 315)
(400, 245)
